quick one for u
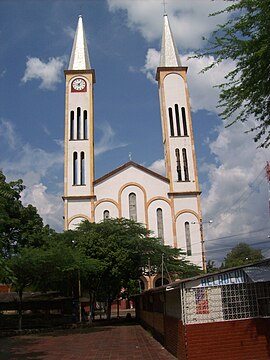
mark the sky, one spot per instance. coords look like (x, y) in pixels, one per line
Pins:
(124, 38)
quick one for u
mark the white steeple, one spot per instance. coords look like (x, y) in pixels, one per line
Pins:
(169, 56)
(79, 59)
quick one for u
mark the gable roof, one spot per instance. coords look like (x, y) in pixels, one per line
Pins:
(127, 165)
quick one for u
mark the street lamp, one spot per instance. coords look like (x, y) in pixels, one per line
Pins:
(202, 240)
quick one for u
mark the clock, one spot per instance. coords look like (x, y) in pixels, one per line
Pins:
(78, 85)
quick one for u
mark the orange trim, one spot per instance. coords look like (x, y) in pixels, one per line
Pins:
(145, 199)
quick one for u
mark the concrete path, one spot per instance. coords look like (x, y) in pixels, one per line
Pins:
(126, 342)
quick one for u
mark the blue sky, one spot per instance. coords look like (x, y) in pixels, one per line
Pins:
(124, 41)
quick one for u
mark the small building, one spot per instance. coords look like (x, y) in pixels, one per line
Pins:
(225, 315)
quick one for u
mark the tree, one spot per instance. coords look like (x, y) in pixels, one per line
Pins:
(20, 226)
(42, 269)
(123, 248)
(245, 39)
(23, 270)
(242, 254)
(211, 266)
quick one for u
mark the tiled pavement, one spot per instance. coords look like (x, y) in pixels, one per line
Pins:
(126, 342)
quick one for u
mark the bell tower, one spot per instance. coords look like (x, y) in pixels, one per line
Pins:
(79, 134)
(179, 149)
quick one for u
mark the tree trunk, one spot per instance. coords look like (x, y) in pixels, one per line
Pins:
(109, 308)
(92, 306)
(20, 310)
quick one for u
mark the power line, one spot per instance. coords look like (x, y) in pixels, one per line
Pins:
(241, 198)
(229, 247)
(234, 235)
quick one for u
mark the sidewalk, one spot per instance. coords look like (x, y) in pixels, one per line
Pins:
(125, 342)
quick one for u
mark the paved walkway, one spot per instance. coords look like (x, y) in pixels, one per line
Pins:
(126, 342)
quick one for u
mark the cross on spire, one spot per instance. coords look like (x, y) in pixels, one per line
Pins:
(164, 3)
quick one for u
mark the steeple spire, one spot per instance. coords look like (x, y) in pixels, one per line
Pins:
(79, 59)
(169, 56)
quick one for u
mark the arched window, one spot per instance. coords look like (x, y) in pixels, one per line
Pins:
(188, 239)
(85, 127)
(82, 169)
(184, 152)
(106, 214)
(159, 282)
(78, 123)
(176, 108)
(72, 125)
(75, 168)
(184, 121)
(132, 207)
(178, 165)
(171, 121)
(160, 225)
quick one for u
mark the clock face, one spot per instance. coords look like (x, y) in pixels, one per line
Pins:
(78, 85)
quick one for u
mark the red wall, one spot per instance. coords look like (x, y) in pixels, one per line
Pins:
(229, 340)
(175, 337)
(4, 288)
(247, 339)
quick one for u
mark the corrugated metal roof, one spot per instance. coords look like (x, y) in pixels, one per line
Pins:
(255, 276)
(258, 273)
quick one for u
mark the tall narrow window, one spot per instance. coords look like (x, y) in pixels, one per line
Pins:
(178, 165)
(176, 108)
(106, 214)
(171, 121)
(184, 121)
(85, 127)
(132, 207)
(78, 123)
(184, 152)
(82, 169)
(75, 168)
(188, 239)
(72, 125)
(160, 225)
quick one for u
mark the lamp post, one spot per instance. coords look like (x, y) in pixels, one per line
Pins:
(202, 241)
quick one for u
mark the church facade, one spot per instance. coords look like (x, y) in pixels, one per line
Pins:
(168, 205)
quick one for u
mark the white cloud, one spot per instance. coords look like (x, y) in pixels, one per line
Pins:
(70, 32)
(49, 73)
(34, 166)
(107, 140)
(7, 133)
(237, 198)
(151, 64)
(189, 19)
(203, 93)
(50, 207)
(31, 164)
(158, 166)
(3, 73)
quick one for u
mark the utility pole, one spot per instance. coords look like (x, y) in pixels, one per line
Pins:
(162, 270)
(267, 169)
(149, 274)
(203, 247)
(203, 241)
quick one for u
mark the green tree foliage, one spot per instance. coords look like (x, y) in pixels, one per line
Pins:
(124, 249)
(20, 226)
(245, 39)
(211, 266)
(54, 267)
(242, 254)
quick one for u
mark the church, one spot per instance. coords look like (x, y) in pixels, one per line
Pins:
(167, 205)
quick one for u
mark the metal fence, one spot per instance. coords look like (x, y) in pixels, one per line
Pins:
(226, 302)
